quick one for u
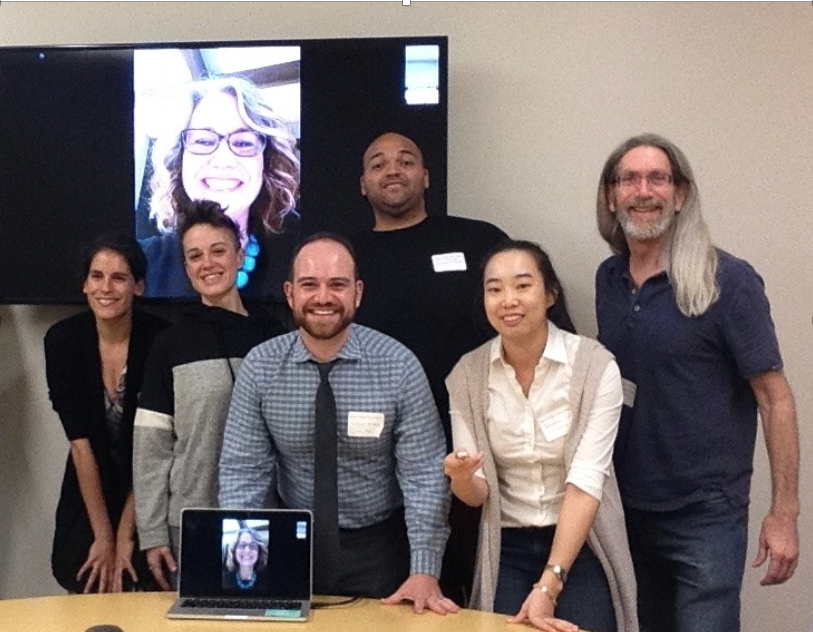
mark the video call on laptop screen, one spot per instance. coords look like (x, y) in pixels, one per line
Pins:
(246, 553)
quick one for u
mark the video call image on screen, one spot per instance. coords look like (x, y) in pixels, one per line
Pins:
(118, 138)
(219, 124)
(245, 550)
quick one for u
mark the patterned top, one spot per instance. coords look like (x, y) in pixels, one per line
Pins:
(390, 441)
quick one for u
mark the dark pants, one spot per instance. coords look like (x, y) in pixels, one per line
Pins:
(585, 599)
(689, 565)
(373, 561)
(457, 574)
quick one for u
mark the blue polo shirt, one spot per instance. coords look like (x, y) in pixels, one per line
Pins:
(689, 431)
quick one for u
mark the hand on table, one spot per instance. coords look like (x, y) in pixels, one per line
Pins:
(423, 591)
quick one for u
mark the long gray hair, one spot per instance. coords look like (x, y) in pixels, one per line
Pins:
(692, 264)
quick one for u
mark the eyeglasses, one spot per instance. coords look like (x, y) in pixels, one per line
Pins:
(242, 546)
(630, 179)
(243, 143)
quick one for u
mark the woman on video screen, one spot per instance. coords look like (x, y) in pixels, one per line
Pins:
(246, 560)
(94, 363)
(234, 150)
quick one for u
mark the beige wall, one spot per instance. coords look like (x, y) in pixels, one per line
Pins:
(539, 94)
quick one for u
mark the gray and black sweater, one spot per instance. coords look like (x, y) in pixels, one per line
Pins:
(182, 411)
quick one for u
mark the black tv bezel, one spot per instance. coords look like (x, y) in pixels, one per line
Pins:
(433, 144)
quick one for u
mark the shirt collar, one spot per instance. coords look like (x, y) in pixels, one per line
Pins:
(555, 349)
(350, 351)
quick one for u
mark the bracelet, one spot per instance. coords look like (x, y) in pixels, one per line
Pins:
(559, 571)
(545, 591)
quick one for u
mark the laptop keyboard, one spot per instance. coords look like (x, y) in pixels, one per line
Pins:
(241, 604)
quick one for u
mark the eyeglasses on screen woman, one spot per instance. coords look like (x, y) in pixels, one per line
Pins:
(243, 143)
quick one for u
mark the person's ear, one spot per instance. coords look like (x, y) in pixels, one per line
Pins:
(139, 288)
(288, 288)
(359, 292)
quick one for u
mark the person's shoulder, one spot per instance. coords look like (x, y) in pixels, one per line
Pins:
(611, 266)
(730, 267)
(69, 328)
(148, 322)
(375, 343)
(469, 225)
(588, 345)
(273, 348)
(737, 280)
(266, 321)
(480, 354)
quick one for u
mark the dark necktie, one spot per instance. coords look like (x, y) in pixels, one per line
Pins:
(325, 487)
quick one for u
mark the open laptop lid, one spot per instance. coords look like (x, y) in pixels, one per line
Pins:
(208, 539)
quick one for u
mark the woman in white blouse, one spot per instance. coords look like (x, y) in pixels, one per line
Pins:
(534, 416)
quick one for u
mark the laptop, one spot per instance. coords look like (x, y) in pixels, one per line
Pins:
(245, 564)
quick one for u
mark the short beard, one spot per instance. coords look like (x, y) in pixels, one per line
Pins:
(324, 332)
(651, 231)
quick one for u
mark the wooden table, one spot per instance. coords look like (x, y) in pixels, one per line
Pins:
(144, 612)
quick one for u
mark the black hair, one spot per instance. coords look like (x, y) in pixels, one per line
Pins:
(210, 213)
(124, 245)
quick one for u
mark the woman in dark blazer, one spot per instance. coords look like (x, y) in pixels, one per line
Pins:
(94, 365)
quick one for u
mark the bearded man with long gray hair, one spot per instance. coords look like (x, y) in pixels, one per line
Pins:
(692, 333)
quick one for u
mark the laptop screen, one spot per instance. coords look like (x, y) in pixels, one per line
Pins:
(245, 553)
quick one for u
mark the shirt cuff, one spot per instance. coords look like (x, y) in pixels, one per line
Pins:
(153, 538)
(588, 480)
(425, 561)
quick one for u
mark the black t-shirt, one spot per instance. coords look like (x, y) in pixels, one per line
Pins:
(422, 287)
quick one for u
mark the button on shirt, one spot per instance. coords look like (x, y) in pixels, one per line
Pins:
(390, 442)
(527, 434)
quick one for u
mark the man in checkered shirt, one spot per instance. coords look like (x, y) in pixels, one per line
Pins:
(393, 499)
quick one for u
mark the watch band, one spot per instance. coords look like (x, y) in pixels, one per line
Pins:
(559, 571)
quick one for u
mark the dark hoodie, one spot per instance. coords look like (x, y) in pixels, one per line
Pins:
(182, 411)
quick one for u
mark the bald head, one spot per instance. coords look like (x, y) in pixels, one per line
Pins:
(394, 181)
(388, 140)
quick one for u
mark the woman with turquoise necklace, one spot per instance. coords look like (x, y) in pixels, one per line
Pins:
(246, 560)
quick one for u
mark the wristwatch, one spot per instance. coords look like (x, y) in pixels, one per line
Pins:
(559, 571)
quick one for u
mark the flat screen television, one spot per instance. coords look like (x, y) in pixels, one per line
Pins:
(100, 138)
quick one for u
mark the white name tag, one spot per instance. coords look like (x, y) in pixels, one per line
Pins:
(449, 262)
(628, 389)
(365, 424)
(556, 426)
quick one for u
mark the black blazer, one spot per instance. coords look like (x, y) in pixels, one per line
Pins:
(74, 374)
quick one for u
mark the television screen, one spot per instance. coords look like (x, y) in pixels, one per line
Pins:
(121, 138)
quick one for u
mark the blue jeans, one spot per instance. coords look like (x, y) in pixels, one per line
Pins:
(689, 565)
(585, 599)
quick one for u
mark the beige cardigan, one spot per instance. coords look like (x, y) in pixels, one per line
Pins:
(468, 385)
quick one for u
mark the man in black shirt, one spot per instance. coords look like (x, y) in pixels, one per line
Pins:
(422, 287)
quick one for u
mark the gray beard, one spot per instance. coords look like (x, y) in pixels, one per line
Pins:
(649, 231)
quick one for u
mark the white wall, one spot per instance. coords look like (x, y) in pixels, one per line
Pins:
(539, 95)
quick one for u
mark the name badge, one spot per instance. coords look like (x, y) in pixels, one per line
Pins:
(365, 424)
(449, 262)
(555, 426)
(628, 389)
